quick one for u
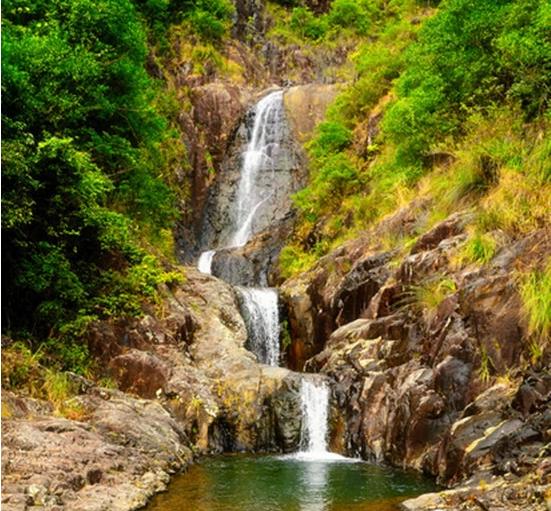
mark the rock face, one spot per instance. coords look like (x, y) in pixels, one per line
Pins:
(306, 105)
(442, 386)
(120, 454)
(214, 104)
(254, 264)
(208, 127)
(188, 382)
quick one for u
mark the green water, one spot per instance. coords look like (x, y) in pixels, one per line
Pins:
(268, 483)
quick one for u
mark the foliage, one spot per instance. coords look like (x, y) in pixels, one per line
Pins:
(293, 260)
(451, 108)
(210, 18)
(356, 17)
(485, 365)
(22, 369)
(86, 146)
(19, 365)
(307, 25)
(464, 60)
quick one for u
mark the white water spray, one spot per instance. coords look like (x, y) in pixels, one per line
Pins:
(266, 137)
(259, 307)
(314, 400)
(315, 405)
(205, 262)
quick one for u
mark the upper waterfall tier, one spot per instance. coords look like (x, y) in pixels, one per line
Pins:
(260, 173)
(258, 165)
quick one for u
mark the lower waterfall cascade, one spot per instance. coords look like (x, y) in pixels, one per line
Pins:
(314, 399)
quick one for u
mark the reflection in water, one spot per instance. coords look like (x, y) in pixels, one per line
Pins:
(314, 485)
(267, 483)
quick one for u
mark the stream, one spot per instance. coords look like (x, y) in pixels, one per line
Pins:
(312, 478)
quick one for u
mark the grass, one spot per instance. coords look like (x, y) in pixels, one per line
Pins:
(485, 365)
(535, 292)
(479, 248)
(431, 294)
(294, 260)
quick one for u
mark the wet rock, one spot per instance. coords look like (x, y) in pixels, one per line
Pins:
(254, 264)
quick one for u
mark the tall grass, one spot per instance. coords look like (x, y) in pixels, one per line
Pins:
(535, 292)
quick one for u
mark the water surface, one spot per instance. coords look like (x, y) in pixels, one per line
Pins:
(271, 483)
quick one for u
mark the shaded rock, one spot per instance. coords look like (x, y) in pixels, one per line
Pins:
(140, 373)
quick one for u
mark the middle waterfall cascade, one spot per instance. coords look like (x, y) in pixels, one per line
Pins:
(260, 310)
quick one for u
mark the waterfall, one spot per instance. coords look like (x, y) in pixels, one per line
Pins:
(259, 307)
(205, 262)
(314, 401)
(263, 144)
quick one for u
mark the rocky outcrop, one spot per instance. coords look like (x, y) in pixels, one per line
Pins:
(115, 457)
(430, 360)
(189, 386)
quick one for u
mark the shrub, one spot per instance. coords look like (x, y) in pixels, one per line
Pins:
(331, 137)
(293, 260)
(307, 25)
(211, 18)
(354, 14)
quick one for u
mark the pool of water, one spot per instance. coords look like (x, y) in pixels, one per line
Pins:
(271, 483)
